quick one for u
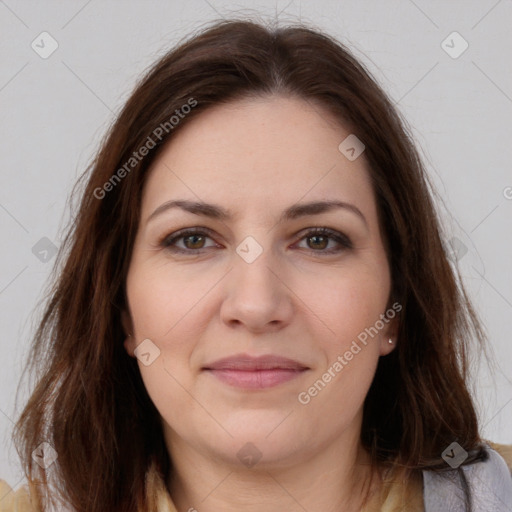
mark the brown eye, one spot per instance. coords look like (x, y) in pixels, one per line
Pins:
(193, 241)
(188, 241)
(318, 240)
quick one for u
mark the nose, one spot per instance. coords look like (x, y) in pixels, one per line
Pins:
(256, 295)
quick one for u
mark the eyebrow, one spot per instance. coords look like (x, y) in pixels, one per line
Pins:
(293, 212)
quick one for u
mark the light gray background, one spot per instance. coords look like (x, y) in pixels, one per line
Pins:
(54, 111)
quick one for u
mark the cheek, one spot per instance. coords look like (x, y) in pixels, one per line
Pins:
(349, 305)
(164, 300)
(168, 307)
(333, 405)
(346, 303)
(349, 309)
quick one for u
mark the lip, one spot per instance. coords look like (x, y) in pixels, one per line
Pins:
(245, 371)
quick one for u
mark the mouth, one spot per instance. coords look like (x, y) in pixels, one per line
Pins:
(244, 371)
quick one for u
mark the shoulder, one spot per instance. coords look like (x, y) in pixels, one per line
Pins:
(489, 481)
(505, 451)
(14, 501)
(19, 500)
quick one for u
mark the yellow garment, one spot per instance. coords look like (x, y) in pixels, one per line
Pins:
(395, 496)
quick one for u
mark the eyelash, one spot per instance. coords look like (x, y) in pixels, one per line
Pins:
(168, 241)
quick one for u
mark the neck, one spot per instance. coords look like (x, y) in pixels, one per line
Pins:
(331, 480)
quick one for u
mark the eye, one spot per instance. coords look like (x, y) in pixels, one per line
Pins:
(193, 241)
(318, 239)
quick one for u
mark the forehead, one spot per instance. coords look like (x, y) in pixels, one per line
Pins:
(259, 151)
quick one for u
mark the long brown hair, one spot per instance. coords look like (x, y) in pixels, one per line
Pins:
(90, 403)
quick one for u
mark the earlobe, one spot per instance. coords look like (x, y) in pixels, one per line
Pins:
(129, 341)
(126, 322)
(389, 338)
(387, 346)
(129, 345)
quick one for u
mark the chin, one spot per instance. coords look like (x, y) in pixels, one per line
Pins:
(258, 454)
(261, 441)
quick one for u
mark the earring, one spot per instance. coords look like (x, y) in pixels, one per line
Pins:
(390, 341)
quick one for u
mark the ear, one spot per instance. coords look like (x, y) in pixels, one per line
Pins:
(390, 332)
(129, 342)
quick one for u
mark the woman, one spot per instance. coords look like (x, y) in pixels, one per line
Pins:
(255, 309)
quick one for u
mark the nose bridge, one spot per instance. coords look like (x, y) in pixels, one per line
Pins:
(252, 267)
(255, 295)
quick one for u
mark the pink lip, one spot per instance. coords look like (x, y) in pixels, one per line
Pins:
(249, 372)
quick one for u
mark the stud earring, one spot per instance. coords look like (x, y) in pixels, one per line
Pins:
(390, 341)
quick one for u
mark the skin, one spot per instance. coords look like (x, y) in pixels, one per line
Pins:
(257, 157)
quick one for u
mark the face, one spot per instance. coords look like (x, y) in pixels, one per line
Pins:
(252, 276)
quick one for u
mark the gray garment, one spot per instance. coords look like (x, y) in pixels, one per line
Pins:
(490, 482)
